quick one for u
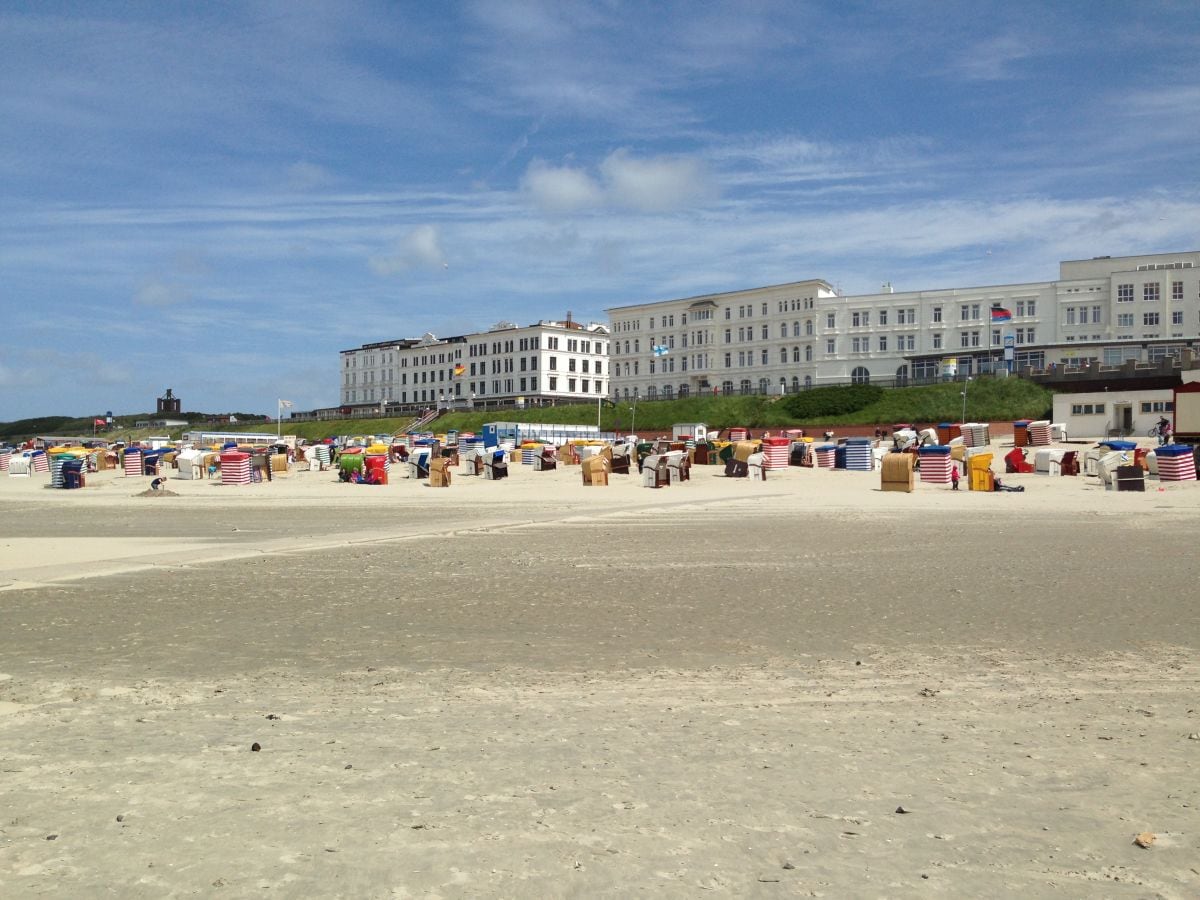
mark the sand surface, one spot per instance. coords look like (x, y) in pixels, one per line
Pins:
(529, 688)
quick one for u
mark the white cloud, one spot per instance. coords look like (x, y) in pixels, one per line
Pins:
(650, 185)
(419, 249)
(656, 184)
(560, 189)
(996, 58)
(158, 293)
(305, 176)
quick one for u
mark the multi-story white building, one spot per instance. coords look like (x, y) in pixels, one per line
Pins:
(794, 336)
(545, 362)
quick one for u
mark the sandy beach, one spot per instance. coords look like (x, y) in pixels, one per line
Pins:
(802, 686)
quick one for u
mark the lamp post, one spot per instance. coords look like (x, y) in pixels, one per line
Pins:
(964, 396)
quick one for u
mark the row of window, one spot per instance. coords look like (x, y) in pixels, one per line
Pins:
(530, 385)
(1151, 292)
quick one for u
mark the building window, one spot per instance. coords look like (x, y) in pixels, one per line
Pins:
(883, 343)
(1177, 317)
(860, 375)
(830, 346)
(830, 320)
(937, 314)
(937, 340)
(964, 314)
(964, 339)
(1124, 293)
(1150, 318)
(1070, 320)
(883, 317)
(808, 353)
(1150, 292)
(1176, 290)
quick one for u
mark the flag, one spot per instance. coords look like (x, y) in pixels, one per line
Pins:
(99, 422)
(661, 350)
(285, 404)
(459, 369)
(1000, 314)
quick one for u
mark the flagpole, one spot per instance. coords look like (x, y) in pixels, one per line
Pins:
(278, 419)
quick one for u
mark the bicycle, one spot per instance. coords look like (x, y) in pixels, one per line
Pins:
(1153, 432)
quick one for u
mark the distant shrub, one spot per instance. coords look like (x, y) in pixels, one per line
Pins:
(836, 400)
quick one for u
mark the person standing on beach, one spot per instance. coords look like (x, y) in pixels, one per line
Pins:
(953, 476)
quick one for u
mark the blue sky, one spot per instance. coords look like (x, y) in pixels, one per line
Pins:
(219, 197)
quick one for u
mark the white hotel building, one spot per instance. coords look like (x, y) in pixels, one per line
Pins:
(793, 336)
(541, 363)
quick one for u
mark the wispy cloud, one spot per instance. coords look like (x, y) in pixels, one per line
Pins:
(623, 181)
(421, 248)
(156, 292)
(997, 58)
(228, 179)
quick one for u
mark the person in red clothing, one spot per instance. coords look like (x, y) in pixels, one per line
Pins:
(953, 476)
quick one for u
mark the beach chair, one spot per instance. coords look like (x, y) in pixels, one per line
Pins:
(495, 464)
(1130, 478)
(439, 472)
(655, 471)
(679, 466)
(418, 463)
(472, 461)
(755, 470)
(595, 470)
(1070, 463)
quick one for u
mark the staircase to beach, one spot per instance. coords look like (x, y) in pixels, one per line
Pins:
(418, 424)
